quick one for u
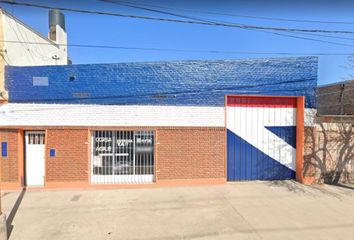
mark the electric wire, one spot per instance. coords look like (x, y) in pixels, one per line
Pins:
(235, 15)
(176, 20)
(209, 22)
(186, 50)
(158, 94)
(230, 23)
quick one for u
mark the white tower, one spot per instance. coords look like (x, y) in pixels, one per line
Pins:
(57, 32)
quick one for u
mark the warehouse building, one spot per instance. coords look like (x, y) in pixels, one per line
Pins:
(156, 123)
(336, 98)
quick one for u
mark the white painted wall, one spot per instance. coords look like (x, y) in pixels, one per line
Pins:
(23, 54)
(13, 114)
(23, 114)
(61, 37)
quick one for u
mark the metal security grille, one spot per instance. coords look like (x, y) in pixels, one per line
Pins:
(35, 138)
(122, 157)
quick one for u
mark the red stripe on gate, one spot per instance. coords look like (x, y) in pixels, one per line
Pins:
(261, 101)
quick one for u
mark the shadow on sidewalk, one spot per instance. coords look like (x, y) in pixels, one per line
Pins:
(342, 185)
(13, 212)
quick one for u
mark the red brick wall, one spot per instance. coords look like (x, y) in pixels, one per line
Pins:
(9, 164)
(329, 152)
(71, 162)
(182, 153)
(190, 153)
(336, 99)
(309, 169)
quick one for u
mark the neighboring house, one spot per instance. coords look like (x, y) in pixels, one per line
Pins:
(21, 45)
(336, 98)
(163, 123)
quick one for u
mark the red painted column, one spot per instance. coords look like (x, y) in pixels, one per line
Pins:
(300, 122)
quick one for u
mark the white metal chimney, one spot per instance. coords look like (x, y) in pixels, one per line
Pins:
(57, 34)
(57, 27)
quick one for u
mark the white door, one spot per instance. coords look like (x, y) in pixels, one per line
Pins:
(35, 152)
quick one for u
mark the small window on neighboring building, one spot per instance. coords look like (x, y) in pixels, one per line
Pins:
(4, 149)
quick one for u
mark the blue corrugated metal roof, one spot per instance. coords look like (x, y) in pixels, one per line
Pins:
(201, 83)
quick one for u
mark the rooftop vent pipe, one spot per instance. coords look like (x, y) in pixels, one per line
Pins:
(56, 18)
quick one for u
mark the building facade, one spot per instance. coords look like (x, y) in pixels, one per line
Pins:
(336, 98)
(156, 123)
(21, 45)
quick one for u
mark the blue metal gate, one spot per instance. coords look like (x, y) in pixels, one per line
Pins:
(261, 138)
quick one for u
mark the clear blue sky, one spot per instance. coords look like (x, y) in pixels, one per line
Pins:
(108, 30)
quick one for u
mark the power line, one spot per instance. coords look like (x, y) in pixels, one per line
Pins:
(131, 4)
(153, 95)
(241, 26)
(236, 15)
(213, 21)
(174, 93)
(156, 11)
(74, 102)
(327, 36)
(202, 21)
(181, 50)
(304, 38)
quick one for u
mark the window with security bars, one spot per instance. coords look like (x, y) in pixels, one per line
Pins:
(122, 156)
(36, 138)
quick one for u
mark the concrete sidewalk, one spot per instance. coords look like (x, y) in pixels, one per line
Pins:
(247, 210)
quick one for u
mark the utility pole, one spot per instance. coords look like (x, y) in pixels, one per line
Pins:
(342, 86)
